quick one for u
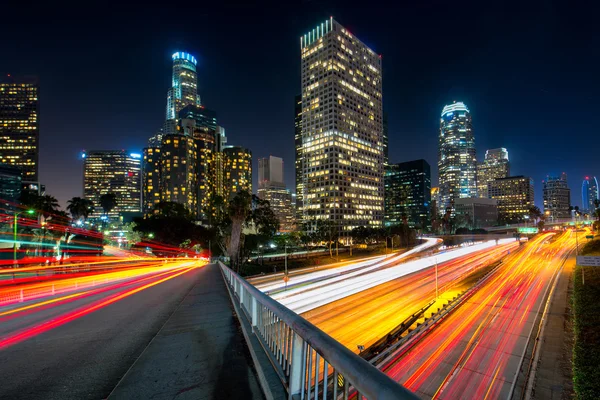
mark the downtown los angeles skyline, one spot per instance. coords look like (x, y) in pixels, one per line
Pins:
(522, 92)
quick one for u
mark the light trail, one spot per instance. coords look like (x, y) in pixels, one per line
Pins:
(473, 353)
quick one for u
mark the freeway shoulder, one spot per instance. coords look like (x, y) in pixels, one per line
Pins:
(199, 353)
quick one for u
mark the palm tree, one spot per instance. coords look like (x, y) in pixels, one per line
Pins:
(108, 202)
(79, 208)
(47, 205)
(239, 209)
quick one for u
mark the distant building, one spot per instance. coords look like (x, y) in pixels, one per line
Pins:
(299, 160)
(112, 171)
(457, 162)
(10, 184)
(342, 129)
(589, 194)
(20, 125)
(184, 88)
(494, 166)
(150, 178)
(271, 187)
(178, 171)
(477, 212)
(557, 196)
(237, 170)
(515, 197)
(408, 193)
(435, 201)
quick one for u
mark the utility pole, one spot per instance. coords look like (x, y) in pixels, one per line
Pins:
(436, 279)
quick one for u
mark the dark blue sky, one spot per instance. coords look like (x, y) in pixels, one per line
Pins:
(528, 72)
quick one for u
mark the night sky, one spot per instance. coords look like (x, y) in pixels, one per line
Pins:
(530, 75)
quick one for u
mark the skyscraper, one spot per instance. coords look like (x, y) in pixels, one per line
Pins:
(184, 88)
(457, 163)
(589, 193)
(494, 166)
(557, 196)
(271, 187)
(408, 193)
(515, 197)
(150, 178)
(298, 161)
(342, 129)
(237, 171)
(178, 170)
(112, 171)
(20, 125)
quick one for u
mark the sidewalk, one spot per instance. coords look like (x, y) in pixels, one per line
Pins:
(554, 378)
(200, 352)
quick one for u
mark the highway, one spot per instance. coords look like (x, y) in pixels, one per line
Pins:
(476, 352)
(365, 317)
(78, 343)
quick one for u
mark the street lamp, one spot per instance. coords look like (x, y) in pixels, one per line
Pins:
(30, 212)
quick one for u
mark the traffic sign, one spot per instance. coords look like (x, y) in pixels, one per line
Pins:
(589, 236)
(286, 278)
(588, 261)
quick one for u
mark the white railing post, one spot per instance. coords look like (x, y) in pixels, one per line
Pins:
(241, 295)
(296, 366)
(254, 312)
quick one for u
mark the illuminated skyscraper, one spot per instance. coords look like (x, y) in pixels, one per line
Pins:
(435, 201)
(408, 193)
(557, 196)
(342, 129)
(20, 125)
(494, 166)
(515, 197)
(589, 193)
(112, 171)
(457, 163)
(298, 161)
(237, 171)
(271, 187)
(178, 170)
(184, 89)
(150, 179)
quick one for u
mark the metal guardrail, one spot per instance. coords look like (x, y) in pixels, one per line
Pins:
(310, 363)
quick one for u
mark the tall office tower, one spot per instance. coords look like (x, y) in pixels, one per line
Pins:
(557, 196)
(178, 170)
(342, 129)
(515, 197)
(184, 88)
(150, 179)
(20, 125)
(457, 162)
(298, 161)
(271, 187)
(386, 153)
(237, 171)
(201, 124)
(494, 166)
(407, 193)
(112, 171)
(435, 201)
(220, 142)
(589, 193)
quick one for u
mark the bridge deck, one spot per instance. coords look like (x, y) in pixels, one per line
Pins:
(199, 353)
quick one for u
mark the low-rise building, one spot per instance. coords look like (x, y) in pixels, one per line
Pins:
(476, 212)
(515, 197)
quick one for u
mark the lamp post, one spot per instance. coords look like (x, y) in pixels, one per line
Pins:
(15, 232)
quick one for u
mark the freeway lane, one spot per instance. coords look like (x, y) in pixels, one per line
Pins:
(476, 352)
(365, 317)
(85, 357)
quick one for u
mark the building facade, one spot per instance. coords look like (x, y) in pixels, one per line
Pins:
(557, 196)
(477, 213)
(342, 129)
(20, 125)
(237, 171)
(435, 200)
(515, 196)
(184, 88)
(178, 171)
(589, 194)
(112, 171)
(495, 165)
(408, 193)
(299, 168)
(10, 185)
(151, 181)
(271, 187)
(457, 162)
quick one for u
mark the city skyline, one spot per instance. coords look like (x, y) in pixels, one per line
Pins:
(411, 108)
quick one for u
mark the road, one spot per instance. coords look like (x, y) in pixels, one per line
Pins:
(365, 317)
(79, 347)
(476, 352)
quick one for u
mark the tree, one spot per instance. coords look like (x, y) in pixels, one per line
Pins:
(239, 209)
(108, 202)
(171, 209)
(45, 205)
(80, 208)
